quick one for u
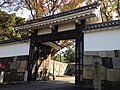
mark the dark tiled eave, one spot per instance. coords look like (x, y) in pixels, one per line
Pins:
(102, 25)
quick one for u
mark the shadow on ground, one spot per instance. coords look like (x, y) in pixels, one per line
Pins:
(40, 85)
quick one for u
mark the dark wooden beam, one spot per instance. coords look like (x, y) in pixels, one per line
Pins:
(70, 34)
(33, 44)
(79, 52)
(55, 29)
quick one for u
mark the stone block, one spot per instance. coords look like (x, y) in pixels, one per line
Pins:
(110, 54)
(102, 53)
(91, 53)
(15, 58)
(88, 72)
(23, 64)
(103, 73)
(15, 65)
(21, 70)
(117, 53)
(107, 62)
(116, 63)
(97, 59)
(97, 76)
(87, 60)
(113, 74)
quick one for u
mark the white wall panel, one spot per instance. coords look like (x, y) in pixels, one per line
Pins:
(15, 49)
(103, 40)
(44, 31)
(66, 26)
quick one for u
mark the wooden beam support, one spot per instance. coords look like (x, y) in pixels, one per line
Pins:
(55, 29)
(70, 34)
(33, 44)
(79, 52)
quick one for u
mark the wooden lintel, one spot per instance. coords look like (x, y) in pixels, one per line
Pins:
(57, 36)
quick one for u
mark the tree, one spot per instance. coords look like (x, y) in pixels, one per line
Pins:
(49, 7)
(70, 55)
(110, 9)
(59, 56)
(41, 8)
(118, 7)
(7, 23)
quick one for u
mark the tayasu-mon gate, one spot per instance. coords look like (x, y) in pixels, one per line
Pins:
(62, 26)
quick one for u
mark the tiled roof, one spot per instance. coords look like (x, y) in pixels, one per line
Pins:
(102, 25)
(79, 13)
(94, 5)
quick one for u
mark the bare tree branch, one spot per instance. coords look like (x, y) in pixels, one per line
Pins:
(118, 6)
(5, 2)
(28, 3)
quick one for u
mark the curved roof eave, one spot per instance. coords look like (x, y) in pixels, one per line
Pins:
(71, 15)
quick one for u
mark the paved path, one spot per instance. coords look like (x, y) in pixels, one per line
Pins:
(62, 83)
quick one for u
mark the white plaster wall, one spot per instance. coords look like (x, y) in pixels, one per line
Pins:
(66, 26)
(44, 31)
(14, 49)
(103, 40)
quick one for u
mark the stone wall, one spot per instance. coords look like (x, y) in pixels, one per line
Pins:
(15, 68)
(16, 64)
(46, 69)
(59, 68)
(109, 61)
(43, 67)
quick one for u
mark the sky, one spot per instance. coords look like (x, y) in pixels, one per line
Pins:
(23, 13)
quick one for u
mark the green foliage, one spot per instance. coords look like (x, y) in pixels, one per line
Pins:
(69, 55)
(19, 20)
(58, 57)
(110, 9)
(43, 8)
(7, 23)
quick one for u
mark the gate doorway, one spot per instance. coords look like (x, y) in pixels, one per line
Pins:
(52, 68)
(76, 34)
(62, 26)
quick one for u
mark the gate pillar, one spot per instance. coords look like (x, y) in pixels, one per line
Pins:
(33, 43)
(79, 52)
